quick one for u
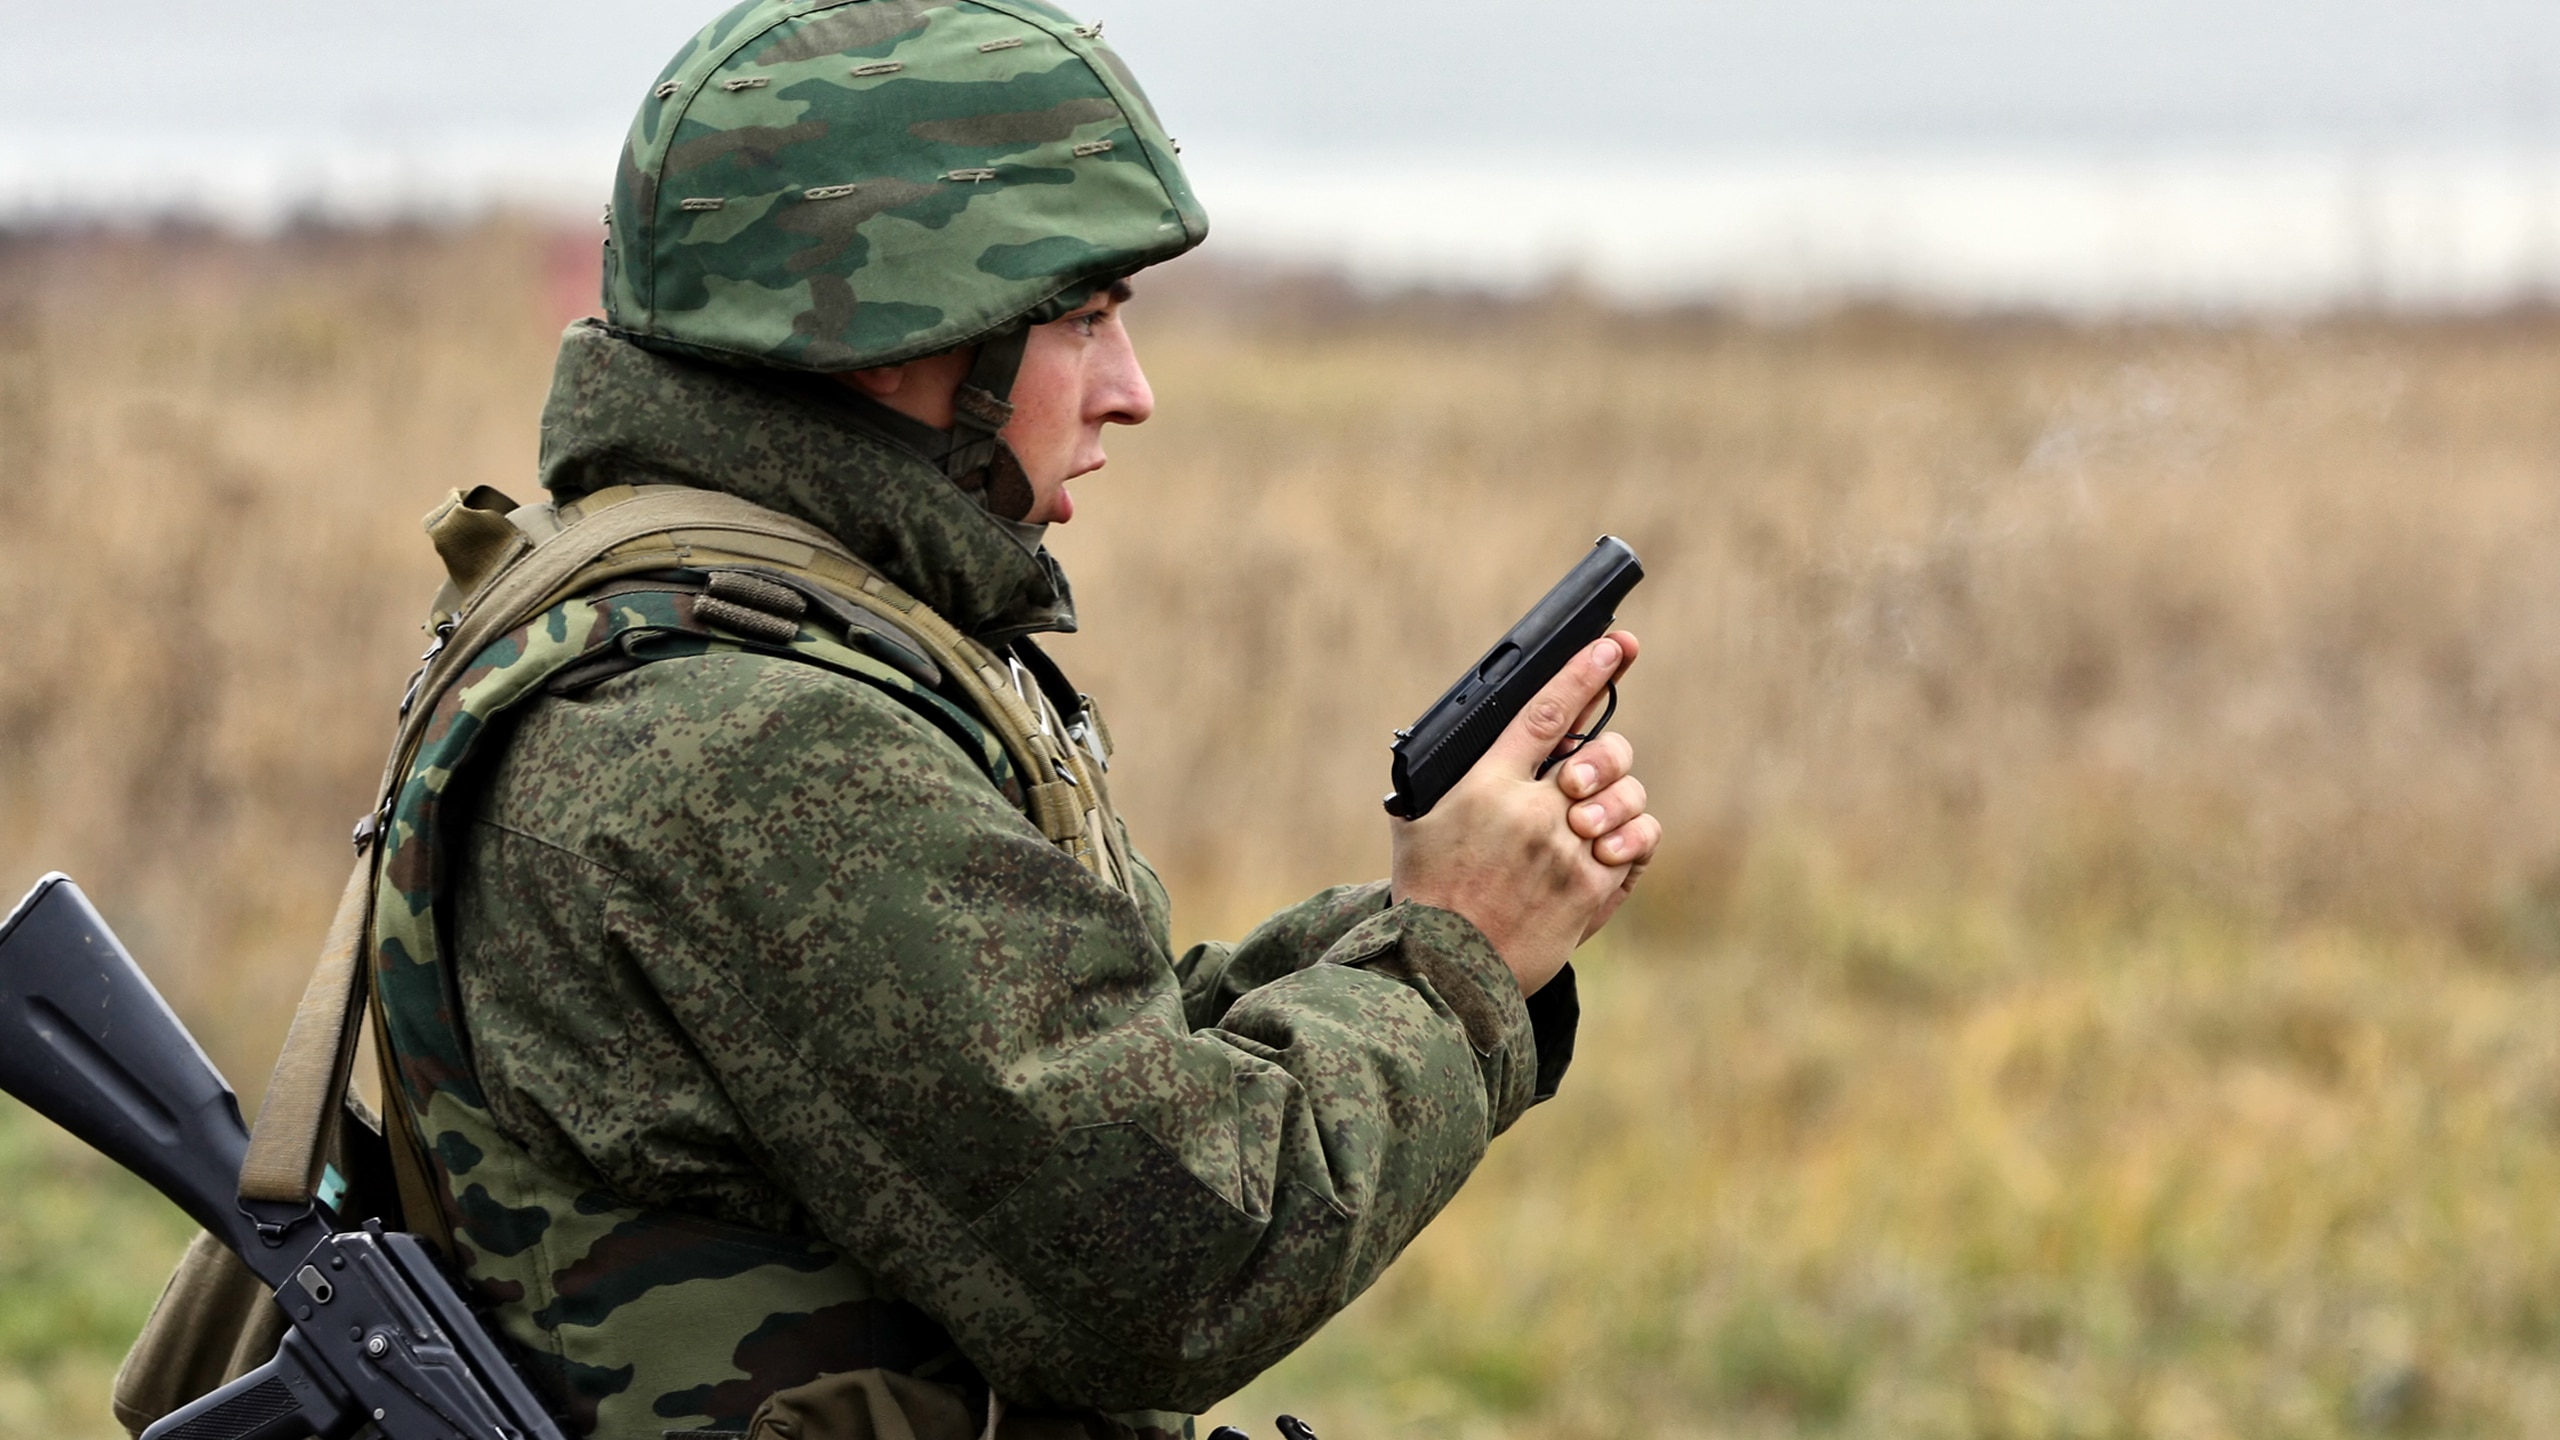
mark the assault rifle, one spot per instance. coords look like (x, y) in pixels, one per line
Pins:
(1434, 751)
(378, 1333)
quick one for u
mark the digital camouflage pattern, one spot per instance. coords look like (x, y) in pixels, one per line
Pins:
(620, 414)
(610, 1300)
(835, 184)
(759, 1034)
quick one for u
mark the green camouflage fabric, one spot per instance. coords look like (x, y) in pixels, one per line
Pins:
(759, 1034)
(610, 1299)
(679, 423)
(836, 184)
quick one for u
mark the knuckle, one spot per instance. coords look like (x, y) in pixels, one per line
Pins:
(1568, 856)
(1546, 717)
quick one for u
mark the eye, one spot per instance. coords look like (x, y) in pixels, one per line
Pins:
(1086, 323)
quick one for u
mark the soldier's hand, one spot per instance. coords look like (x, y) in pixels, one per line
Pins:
(1538, 864)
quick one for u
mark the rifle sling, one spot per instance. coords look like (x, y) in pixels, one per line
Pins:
(508, 567)
(289, 1144)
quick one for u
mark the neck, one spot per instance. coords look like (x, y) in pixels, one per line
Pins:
(800, 444)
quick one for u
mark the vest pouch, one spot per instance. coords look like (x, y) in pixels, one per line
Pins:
(215, 1323)
(862, 1405)
(885, 1405)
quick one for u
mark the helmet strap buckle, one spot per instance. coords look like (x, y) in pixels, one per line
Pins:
(980, 462)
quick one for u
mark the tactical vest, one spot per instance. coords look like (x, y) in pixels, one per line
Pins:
(650, 1322)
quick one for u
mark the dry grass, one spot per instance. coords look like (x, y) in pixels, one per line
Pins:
(2270, 618)
(1900, 1172)
(211, 456)
(2101, 978)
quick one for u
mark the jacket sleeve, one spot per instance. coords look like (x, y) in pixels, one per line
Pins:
(1214, 976)
(980, 1071)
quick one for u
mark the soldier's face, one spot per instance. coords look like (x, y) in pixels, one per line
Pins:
(1078, 374)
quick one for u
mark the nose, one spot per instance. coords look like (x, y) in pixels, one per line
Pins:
(1121, 395)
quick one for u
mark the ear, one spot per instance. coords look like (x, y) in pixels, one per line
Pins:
(880, 383)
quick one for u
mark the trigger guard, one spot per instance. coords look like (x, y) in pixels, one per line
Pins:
(1582, 738)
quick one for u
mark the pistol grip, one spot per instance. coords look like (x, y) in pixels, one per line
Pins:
(283, 1399)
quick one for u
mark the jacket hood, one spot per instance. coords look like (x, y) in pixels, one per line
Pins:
(620, 414)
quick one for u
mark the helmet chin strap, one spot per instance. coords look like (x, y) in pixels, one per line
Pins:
(979, 461)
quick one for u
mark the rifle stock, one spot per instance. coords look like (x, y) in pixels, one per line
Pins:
(378, 1331)
(88, 1043)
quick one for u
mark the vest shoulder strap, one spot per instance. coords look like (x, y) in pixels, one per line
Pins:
(508, 563)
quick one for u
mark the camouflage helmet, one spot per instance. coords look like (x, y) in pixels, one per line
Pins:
(837, 184)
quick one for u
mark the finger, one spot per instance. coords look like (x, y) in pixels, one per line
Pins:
(1596, 767)
(1596, 713)
(1630, 844)
(1609, 809)
(1541, 724)
(1616, 897)
(1628, 648)
(1626, 877)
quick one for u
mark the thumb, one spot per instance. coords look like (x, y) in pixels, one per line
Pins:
(1542, 724)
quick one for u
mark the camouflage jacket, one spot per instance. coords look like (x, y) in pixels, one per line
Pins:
(743, 938)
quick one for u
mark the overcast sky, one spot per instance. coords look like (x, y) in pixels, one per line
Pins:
(2100, 153)
(1642, 76)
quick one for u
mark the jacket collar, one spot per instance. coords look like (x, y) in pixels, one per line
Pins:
(623, 415)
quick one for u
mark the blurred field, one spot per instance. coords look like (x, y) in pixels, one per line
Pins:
(2103, 977)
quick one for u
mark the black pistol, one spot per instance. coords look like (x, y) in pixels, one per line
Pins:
(379, 1334)
(1461, 725)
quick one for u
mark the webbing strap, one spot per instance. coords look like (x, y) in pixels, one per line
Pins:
(623, 530)
(502, 581)
(309, 1087)
(421, 1206)
(472, 536)
(287, 1146)
(531, 578)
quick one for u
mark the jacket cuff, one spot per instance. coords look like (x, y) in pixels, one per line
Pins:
(1442, 954)
(1555, 1013)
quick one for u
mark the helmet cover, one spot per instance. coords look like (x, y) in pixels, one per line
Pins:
(838, 184)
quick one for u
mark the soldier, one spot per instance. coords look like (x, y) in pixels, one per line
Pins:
(786, 1025)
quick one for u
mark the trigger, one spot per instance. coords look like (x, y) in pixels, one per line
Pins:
(1582, 738)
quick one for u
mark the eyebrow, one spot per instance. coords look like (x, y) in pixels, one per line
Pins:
(1120, 292)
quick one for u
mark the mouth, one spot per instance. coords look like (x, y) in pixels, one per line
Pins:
(1066, 498)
